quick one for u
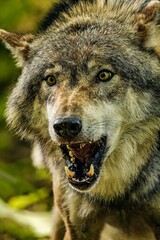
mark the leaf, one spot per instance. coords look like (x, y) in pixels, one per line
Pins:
(24, 201)
(39, 224)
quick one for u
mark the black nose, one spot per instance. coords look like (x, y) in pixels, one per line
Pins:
(67, 127)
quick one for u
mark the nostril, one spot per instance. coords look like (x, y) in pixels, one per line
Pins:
(75, 127)
(58, 128)
(67, 127)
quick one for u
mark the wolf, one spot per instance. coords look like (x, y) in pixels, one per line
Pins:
(88, 97)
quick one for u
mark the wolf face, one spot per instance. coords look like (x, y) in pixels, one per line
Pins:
(88, 94)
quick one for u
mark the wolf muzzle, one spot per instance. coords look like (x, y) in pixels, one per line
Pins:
(83, 159)
(67, 127)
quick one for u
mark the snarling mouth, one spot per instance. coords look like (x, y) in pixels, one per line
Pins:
(83, 161)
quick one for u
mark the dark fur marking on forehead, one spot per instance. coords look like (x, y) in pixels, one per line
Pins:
(84, 68)
(73, 76)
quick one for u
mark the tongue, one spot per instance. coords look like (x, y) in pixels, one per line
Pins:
(84, 153)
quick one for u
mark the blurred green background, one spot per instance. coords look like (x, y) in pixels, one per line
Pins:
(25, 191)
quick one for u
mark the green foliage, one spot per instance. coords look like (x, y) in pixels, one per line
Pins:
(15, 180)
(10, 230)
(17, 15)
(21, 202)
(21, 185)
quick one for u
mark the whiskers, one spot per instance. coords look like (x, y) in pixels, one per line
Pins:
(105, 123)
(101, 128)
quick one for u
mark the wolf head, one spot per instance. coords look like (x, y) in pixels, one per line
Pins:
(89, 89)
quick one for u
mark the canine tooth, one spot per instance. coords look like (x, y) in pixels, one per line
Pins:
(73, 159)
(74, 179)
(90, 173)
(68, 147)
(82, 145)
(69, 173)
(71, 154)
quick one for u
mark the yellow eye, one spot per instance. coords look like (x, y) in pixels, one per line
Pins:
(105, 75)
(50, 80)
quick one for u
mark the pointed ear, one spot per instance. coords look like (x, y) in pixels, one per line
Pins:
(147, 22)
(18, 44)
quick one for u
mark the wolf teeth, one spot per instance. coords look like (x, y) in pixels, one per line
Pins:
(73, 159)
(90, 173)
(71, 154)
(82, 145)
(68, 147)
(69, 173)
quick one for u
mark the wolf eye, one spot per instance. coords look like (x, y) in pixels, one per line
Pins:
(105, 75)
(50, 80)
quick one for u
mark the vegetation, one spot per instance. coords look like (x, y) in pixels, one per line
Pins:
(25, 191)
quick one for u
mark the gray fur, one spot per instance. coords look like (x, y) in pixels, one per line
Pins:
(85, 39)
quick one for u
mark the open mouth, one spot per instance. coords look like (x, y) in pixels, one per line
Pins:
(83, 161)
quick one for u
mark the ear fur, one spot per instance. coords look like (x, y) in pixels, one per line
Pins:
(148, 27)
(18, 44)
